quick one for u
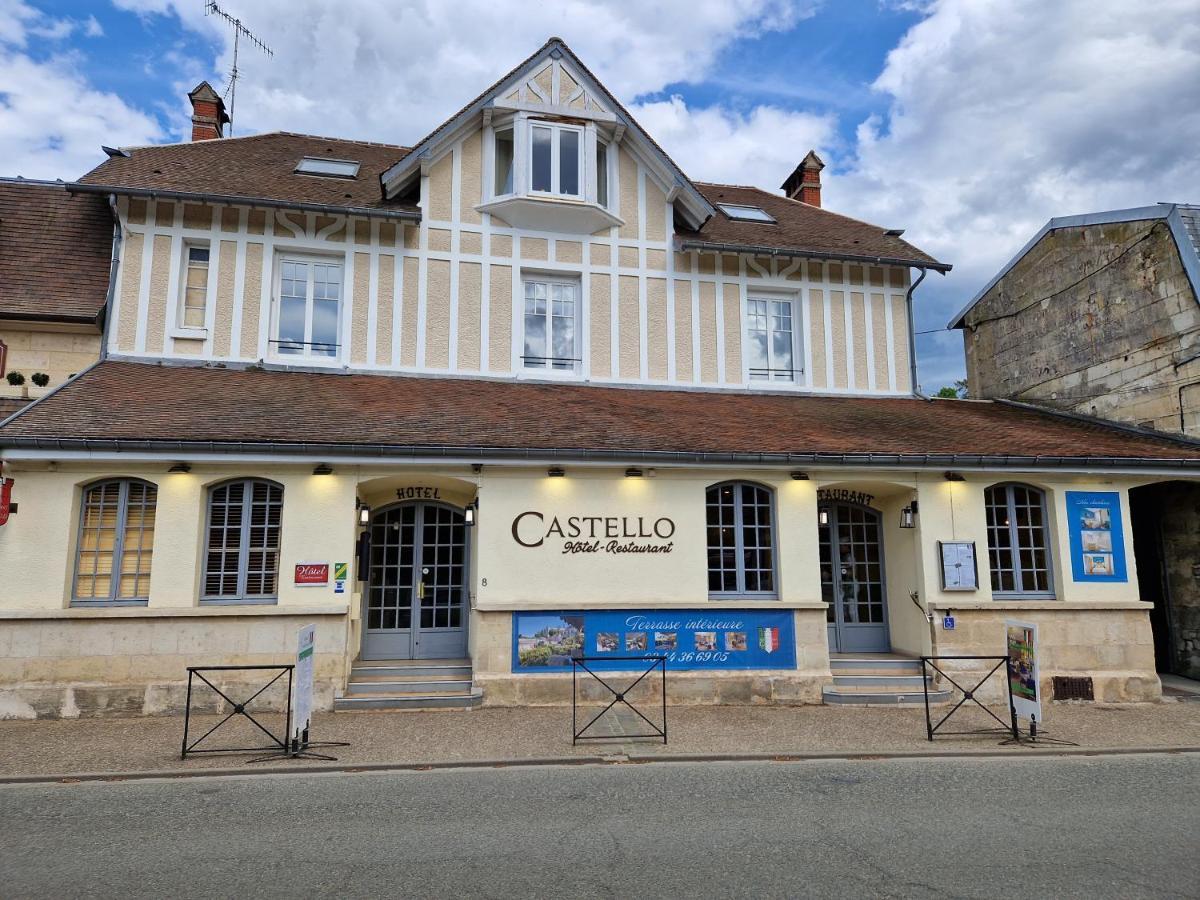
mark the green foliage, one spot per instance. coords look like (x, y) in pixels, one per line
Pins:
(16, 379)
(947, 393)
(41, 379)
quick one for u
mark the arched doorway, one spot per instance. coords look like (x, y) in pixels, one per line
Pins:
(415, 605)
(852, 578)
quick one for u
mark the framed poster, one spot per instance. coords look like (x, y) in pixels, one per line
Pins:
(959, 569)
(1023, 673)
(689, 639)
(1097, 536)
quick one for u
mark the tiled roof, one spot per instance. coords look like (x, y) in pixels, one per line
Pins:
(9, 405)
(55, 252)
(1191, 223)
(799, 226)
(260, 167)
(147, 405)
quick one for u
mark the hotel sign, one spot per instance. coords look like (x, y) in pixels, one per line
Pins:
(595, 534)
(311, 574)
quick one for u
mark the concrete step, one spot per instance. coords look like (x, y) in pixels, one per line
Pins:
(837, 696)
(412, 685)
(407, 700)
(906, 683)
(874, 665)
(425, 668)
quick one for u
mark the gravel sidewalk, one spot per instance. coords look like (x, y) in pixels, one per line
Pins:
(71, 747)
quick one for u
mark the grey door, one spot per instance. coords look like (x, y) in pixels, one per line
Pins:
(852, 581)
(416, 597)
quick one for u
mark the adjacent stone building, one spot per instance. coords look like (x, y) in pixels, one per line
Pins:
(56, 249)
(1099, 315)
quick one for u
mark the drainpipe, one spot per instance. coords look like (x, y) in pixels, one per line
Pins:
(912, 333)
(112, 275)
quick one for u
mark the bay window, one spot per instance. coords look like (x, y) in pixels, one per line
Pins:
(505, 154)
(550, 325)
(309, 309)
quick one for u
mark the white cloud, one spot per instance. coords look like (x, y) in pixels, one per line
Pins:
(52, 121)
(380, 71)
(760, 147)
(1004, 113)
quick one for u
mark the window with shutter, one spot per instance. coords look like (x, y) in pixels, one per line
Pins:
(241, 560)
(116, 543)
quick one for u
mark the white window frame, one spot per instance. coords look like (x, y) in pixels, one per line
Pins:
(306, 355)
(181, 328)
(799, 363)
(555, 128)
(546, 370)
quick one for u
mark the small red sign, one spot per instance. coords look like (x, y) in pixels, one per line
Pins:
(5, 499)
(3, 358)
(311, 574)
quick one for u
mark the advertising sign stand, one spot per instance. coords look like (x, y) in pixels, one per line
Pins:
(300, 708)
(1024, 679)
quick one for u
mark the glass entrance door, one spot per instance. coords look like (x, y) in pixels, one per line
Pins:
(852, 579)
(416, 597)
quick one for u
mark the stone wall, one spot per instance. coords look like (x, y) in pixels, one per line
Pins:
(134, 661)
(1111, 643)
(58, 354)
(1180, 529)
(1095, 320)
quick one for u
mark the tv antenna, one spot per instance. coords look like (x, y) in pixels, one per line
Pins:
(239, 31)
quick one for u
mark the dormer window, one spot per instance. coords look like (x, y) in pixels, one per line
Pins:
(331, 168)
(746, 213)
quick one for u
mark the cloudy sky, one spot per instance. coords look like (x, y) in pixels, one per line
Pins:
(966, 122)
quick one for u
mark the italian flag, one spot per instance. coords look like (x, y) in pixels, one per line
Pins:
(768, 639)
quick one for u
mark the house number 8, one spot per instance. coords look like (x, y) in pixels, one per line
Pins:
(483, 582)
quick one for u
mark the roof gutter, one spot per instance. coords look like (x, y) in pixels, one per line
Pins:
(231, 199)
(439, 452)
(716, 247)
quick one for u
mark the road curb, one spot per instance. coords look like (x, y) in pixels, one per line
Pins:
(616, 759)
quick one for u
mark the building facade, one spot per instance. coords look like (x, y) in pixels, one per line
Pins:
(521, 392)
(1099, 314)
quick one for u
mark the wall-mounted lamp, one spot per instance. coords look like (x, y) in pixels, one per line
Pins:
(954, 476)
(364, 514)
(322, 469)
(556, 472)
(908, 516)
(633, 472)
(823, 516)
(180, 467)
(799, 476)
(469, 512)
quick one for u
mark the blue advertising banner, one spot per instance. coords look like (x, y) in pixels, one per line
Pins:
(1097, 536)
(689, 638)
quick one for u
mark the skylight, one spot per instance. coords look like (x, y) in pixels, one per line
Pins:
(746, 213)
(338, 168)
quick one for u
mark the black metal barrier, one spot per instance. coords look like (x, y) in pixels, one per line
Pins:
(581, 662)
(1001, 663)
(239, 709)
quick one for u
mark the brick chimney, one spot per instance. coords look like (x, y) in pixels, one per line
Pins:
(208, 113)
(804, 184)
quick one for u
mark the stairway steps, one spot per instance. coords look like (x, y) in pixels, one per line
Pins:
(879, 680)
(882, 698)
(401, 701)
(415, 686)
(897, 682)
(395, 672)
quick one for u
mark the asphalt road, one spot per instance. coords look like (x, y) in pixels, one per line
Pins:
(1069, 827)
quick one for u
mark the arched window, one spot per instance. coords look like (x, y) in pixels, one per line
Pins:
(241, 552)
(1018, 541)
(116, 542)
(741, 541)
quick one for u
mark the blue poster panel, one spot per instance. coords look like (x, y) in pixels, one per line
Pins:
(689, 638)
(1097, 536)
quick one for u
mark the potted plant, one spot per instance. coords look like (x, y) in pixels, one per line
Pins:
(41, 379)
(16, 379)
